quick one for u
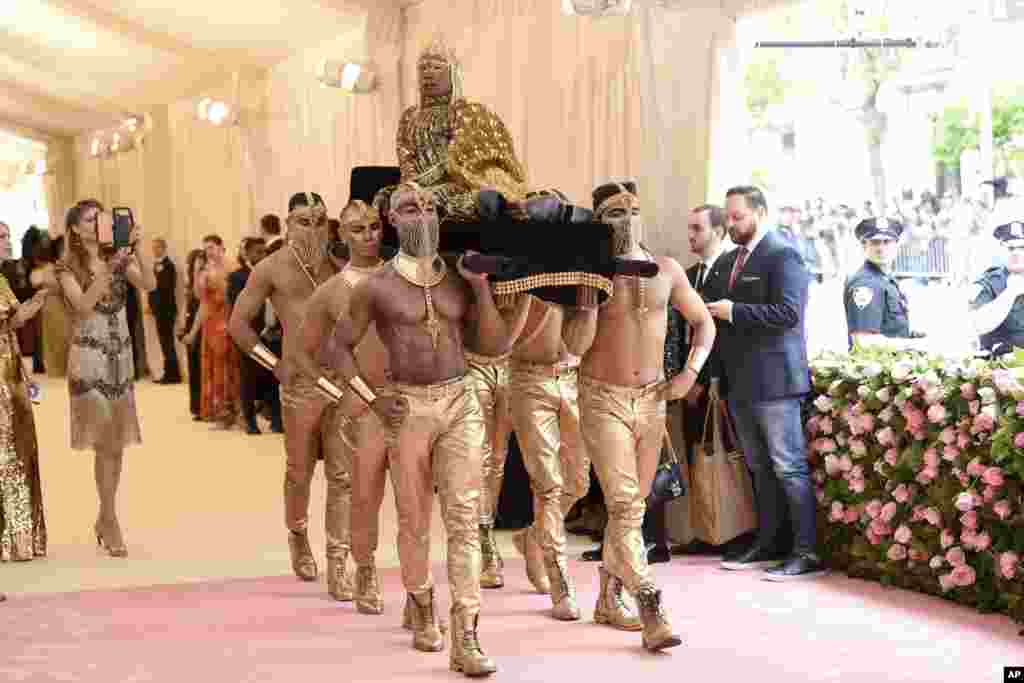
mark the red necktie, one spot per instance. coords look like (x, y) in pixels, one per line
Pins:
(741, 258)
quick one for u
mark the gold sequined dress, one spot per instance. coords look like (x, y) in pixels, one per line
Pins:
(22, 524)
(455, 148)
(101, 372)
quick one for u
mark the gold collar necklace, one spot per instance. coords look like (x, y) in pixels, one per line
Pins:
(425, 273)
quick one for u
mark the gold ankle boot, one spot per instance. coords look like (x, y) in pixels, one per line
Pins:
(303, 563)
(491, 564)
(408, 615)
(422, 613)
(526, 543)
(339, 583)
(657, 633)
(467, 657)
(368, 598)
(563, 593)
(611, 606)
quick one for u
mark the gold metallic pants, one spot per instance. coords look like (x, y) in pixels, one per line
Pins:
(490, 381)
(440, 444)
(366, 438)
(545, 414)
(312, 429)
(623, 428)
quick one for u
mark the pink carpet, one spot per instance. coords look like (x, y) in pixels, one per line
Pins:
(735, 628)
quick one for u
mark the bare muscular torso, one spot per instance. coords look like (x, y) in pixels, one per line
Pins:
(400, 312)
(629, 347)
(541, 339)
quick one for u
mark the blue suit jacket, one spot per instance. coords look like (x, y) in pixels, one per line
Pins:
(763, 352)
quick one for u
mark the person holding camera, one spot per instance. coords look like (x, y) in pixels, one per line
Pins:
(94, 278)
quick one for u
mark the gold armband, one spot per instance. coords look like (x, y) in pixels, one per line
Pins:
(329, 389)
(262, 355)
(362, 389)
(698, 356)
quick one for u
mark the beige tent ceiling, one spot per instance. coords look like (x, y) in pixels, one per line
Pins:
(68, 66)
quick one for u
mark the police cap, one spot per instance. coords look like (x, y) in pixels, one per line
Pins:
(878, 228)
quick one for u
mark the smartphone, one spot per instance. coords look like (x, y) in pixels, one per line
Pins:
(124, 223)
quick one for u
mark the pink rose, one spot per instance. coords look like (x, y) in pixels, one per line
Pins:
(956, 557)
(845, 463)
(937, 413)
(1018, 441)
(968, 391)
(950, 453)
(1002, 509)
(964, 502)
(825, 424)
(874, 509)
(892, 456)
(926, 476)
(969, 519)
(948, 436)
(974, 407)
(937, 562)
(963, 440)
(827, 446)
(964, 575)
(918, 513)
(931, 457)
(983, 422)
(885, 437)
(903, 535)
(990, 493)
(947, 539)
(852, 515)
(841, 439)
(993, 476)
(946, 582)
(880, 528)
(901, 494)
(873, 538)
(968, 536)
(897, 552)
(867, 422)
(857, 485)
(982, 541)
(1020, 409)
(975, 468)
(964, 479)
(889, 511)
(933, 516)
(832, 465)
(1008, 564)
(836, 514)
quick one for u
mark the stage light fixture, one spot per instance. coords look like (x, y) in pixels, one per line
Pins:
(596, 8)
(351, 76)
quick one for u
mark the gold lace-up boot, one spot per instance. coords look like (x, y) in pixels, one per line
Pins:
(657, 633)
(339, 582)
(368, 597)
(611, 608)
(303, 563)
(491, 564)
(466, 656)
(563, 592)
(421, 615)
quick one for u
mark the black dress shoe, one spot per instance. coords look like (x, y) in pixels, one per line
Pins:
(756, 557)
(657, 554)
(697, 547)
(797, 567)
(595, 555)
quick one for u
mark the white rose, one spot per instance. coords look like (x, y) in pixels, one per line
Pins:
(987, 395)
(884, 395)
(864, 391)
(969, 372)
(901, 370)
(823, 404)
(990, 411)
(872, 370)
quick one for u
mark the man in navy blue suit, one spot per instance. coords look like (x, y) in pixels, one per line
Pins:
(764, 355)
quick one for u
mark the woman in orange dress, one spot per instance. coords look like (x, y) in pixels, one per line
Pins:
(220, 369)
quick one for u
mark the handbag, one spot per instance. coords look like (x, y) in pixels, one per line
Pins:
(721, 492)
(669, 481)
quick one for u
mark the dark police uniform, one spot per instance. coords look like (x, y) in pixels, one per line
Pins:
(873, 299)
(990, 285)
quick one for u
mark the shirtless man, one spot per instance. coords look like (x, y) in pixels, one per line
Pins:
(545, 414)
(288, 277)
(622, 404)
(430, 412)
(364, 461)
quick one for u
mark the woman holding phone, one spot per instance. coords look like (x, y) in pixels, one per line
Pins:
(94, 280)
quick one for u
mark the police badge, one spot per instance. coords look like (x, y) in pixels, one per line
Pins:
(862, 296)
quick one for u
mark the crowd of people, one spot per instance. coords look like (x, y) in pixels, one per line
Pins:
(418, 365)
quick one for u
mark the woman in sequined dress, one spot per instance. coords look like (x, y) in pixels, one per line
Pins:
(22, 524)
(101, 369)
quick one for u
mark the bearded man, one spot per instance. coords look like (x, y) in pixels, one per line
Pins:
(430, 411)
(623, 391)
(362, 455)
(288, 278)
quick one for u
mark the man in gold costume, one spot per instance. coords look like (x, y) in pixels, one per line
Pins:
(455, 147)
(622, 404)
(288, 278)
(430, 412)
(362, 455)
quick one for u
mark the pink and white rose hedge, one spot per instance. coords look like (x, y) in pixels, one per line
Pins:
(919, 464)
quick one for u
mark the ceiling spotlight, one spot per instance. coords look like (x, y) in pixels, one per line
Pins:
(217, 113)
(596, 8)
(350, 76)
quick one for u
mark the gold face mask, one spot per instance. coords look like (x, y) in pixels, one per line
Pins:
(416, 220)
(307, 230)
(621, 212)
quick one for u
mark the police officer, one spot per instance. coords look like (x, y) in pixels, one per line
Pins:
(997, 307)
(876, 309)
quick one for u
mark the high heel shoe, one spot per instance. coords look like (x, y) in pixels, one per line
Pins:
(119, 551)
